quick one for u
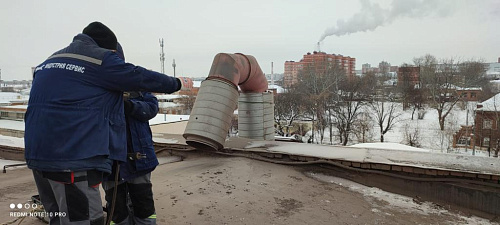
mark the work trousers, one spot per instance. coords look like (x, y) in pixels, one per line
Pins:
(71, 198)
(134, 203)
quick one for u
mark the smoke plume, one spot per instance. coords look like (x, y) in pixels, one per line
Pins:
(372, 15)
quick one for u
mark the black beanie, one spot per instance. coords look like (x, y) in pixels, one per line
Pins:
(102, 35)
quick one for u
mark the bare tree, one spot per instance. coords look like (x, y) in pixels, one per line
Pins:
(363, 127)
(287, 108)
(386, 116)
(442, 80)
(348, 109)
(411, 136)
(187, 100)
(317, 88)
(410, 88)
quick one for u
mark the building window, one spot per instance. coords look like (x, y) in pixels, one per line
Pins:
(20, 115)
(472, 94)
(4, 114)
(487, 124)
(486, 142)
(463, 141)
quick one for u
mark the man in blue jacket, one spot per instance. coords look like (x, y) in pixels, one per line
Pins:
(135, 174)
(75, 122)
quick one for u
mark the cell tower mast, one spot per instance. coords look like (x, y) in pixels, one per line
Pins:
(162, 57)
(174, 65)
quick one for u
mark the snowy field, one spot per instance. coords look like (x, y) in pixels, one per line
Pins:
(431, 138)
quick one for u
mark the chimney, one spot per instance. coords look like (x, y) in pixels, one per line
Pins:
(499, 59)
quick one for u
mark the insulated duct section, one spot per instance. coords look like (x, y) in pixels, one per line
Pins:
(217, 99)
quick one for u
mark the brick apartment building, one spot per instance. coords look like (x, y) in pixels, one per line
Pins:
(320, 61)
(409, 76)
(486, 132)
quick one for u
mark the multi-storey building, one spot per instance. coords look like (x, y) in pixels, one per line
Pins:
(292, 69)
(487, 129)
(409, 76)
(485, 134)
(320, 61)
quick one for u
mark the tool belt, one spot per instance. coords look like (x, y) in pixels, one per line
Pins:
(93, 177)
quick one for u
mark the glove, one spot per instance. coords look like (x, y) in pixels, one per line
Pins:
(179, 83)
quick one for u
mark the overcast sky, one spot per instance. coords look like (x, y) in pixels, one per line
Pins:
(271, 30)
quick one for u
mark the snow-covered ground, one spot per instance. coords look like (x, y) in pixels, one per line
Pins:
(390, 146)
(430, 136)
(167, 118)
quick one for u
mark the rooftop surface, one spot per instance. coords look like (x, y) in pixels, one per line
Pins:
(212, 189)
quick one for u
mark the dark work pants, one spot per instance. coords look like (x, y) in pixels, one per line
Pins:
(139, 193)
(77, 203)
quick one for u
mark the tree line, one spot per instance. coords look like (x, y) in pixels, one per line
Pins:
(350, 106)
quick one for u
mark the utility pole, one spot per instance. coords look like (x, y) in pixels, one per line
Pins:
(174, 65)
(272, 75)
(162, 57)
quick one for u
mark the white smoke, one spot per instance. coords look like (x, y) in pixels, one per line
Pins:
(372, 15)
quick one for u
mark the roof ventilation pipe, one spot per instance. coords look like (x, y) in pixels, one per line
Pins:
(217, 98)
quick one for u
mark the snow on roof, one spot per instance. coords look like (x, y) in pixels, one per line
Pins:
(168, 97)
(279, 89)
(167, 118)
(389, 146)
(12, 124)
(197, 83)
(470, 89)
(408, 158)
(6, 97)
(12, 141)
(15, 107)
(160, 118)
(492, 104)
(9, 95)
(168, 104)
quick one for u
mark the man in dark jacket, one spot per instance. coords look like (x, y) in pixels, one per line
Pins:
(75, 122)
(135, 175)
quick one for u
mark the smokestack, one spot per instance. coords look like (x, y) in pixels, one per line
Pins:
(498, 59)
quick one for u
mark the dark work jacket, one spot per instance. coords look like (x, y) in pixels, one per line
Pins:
(75, 118)
(142, 108)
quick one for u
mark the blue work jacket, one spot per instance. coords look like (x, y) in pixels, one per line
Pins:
(143, 107)
(75, 118)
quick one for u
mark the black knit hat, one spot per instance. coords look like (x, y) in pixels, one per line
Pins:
(101, 34)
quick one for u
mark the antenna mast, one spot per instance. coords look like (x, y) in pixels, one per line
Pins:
(173, 65)
(162, 57)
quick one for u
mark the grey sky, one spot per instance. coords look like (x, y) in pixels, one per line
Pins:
(271, 30)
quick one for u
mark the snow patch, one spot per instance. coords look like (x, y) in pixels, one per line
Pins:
(395, 201)
(389, 146)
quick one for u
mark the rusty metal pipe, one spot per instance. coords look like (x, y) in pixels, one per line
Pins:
(241, 70)
(212, 112)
